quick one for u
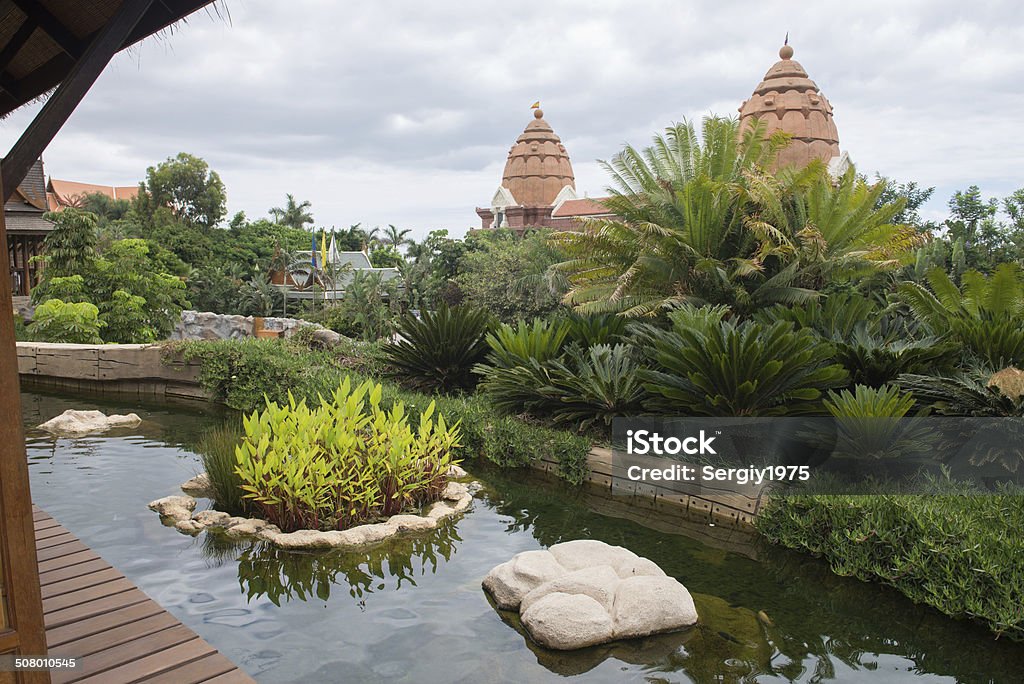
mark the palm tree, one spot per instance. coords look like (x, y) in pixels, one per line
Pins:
(395, 237)
(700, 220)
(294, 215)
(682, 230)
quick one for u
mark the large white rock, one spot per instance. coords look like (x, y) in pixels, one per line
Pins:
(585, 592)
(73, 422)
(568, 621)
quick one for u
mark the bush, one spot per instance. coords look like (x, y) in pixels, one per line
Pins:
(57, 321)
(713, 367)
(438, 351)
(344, 462)
(965, 394)
(916, 544)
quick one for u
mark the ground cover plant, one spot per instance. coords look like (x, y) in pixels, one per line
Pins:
(342, 462)
(917, 545)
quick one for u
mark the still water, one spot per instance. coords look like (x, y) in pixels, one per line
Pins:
(413, 610)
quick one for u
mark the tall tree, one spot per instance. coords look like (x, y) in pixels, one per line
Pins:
(293, 214)
(188, 187)
(396, 237)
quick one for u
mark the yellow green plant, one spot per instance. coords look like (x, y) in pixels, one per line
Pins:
(343, 462)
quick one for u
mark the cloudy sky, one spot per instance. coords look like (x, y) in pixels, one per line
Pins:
(400, 112)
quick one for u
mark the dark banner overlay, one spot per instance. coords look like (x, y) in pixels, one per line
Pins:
(753, 456)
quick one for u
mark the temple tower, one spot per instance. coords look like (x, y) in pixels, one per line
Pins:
(790, 101)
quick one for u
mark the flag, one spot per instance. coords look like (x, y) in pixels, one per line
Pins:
(535, 105)
(312, 254)
(332, 251)
(323, 249)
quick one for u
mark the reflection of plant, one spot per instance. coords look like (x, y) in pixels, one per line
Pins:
(712, 367)
(345, 462)
(281, 576)
(438, 351)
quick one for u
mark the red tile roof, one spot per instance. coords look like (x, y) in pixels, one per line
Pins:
(581, 207)
(64, 193)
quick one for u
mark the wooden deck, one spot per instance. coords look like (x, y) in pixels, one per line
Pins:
(117, 633)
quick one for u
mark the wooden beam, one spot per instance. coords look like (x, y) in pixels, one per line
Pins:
(62, 103)
(17, 540)
(51, 25)
(16, 42)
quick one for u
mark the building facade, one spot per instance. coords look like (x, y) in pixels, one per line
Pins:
(26, 230)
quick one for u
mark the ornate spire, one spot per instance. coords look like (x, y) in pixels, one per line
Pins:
(788, 100)
(538, 166)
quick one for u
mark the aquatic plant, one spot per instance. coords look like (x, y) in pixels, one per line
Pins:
(344, 462)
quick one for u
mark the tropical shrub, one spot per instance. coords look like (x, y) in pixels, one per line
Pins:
(869, 402)
(438, 350)
(874, 346)
(595, 385)
(587, 331)
(703, 222)
(916, 545)
(344, 462)
(706, 365)
(985, 315)
(58, 321)
(870, 424)
(541, 341)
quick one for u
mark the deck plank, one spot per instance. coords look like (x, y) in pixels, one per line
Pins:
(94, 613)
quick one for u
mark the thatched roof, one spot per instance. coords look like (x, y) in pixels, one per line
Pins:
(41, 40)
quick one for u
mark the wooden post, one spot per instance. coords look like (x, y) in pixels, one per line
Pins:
(26, 634)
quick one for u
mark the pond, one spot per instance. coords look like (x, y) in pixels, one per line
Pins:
(413, 610)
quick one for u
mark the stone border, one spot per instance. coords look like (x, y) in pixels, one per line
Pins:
(178, 511)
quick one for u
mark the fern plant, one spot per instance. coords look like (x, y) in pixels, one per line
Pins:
(438, 351)
(541, 341)
(710, 366)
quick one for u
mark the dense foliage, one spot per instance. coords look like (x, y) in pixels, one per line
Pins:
(343, 462)
(245, 373)
(916, 544)
(136, 300)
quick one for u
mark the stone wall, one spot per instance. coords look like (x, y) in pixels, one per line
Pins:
(117, 368)
(204, 325)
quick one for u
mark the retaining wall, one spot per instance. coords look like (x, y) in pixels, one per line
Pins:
(109, 368)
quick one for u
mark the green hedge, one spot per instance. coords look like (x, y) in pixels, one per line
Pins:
(239, 373)
(961, 554)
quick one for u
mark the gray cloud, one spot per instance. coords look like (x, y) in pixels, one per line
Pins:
(394, 112)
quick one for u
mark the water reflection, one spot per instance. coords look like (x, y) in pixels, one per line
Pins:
(281, 576)
(766, 613)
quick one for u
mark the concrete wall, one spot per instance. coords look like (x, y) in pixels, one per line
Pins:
(114, 368)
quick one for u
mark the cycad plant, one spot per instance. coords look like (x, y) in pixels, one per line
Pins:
(709, 366)
(985, 315)
(699, 220)
(682, 229)
(875, 346)
(437, 351)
